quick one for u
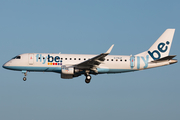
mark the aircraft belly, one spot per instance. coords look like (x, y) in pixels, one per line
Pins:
(115, 68)
(35, 68)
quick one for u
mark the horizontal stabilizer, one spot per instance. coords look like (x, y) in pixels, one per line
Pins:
(165, 58)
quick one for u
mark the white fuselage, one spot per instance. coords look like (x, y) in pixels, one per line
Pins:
(111, 64)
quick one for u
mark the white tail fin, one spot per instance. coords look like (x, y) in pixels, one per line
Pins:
(161, 47)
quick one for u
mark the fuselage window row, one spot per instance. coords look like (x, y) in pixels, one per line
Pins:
(18, 57)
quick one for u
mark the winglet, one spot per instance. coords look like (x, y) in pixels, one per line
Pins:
(109, 50)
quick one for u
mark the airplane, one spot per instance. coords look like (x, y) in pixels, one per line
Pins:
(74, 65)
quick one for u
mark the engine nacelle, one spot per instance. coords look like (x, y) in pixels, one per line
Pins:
(66, 76)
(68, 72)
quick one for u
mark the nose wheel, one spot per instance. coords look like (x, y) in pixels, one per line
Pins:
(24, 78)
(88, 79)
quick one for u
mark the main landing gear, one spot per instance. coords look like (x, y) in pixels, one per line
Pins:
(25, 73)
(88, 78)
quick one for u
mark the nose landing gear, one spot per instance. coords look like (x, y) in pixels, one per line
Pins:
(25, 73)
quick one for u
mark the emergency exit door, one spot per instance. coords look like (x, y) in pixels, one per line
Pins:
(132, 61)
(31, 59)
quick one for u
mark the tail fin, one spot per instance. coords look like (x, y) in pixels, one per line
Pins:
(161, 47)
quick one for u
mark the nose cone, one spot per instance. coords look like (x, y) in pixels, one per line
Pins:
(6, 65)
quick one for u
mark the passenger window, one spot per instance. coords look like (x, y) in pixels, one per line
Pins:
(84, 58)
(70, 58)
(65, 58)
(125, 60)
(107, 59)
(111, 59)
(121, 60)
(74, 58)
(61, 58)
(79, 58)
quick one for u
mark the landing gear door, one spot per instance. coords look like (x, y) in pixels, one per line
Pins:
(132, 61)
(31, 59)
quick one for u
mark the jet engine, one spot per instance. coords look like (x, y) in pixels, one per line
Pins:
(68, 72)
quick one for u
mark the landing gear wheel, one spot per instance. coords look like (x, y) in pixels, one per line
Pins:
(88, 79)
(24, 78)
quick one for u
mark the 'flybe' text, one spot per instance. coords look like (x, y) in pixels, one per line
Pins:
(161, 49)
(50, 59)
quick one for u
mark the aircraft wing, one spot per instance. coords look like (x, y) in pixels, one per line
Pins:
(95, 61)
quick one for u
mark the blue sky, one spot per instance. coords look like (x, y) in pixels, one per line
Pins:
(88, 27)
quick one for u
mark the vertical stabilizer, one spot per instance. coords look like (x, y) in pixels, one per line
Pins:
(161, 47)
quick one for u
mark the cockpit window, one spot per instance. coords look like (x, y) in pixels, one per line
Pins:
(17, 57)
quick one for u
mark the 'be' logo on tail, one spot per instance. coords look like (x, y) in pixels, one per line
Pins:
(162, 48)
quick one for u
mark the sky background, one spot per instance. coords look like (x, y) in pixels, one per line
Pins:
(88, 27)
